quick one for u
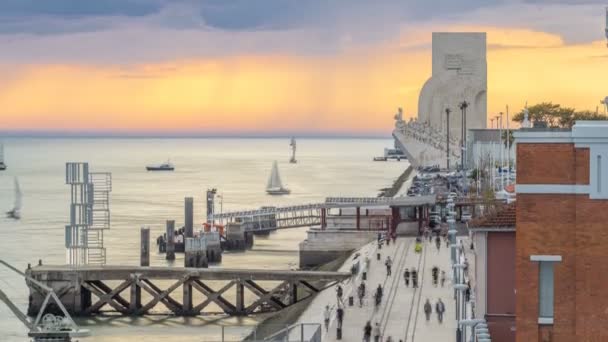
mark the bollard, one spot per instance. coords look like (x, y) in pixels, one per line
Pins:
(188, 217)
(170, 240)
(144, 259)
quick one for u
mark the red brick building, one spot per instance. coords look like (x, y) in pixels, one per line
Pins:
(494, 241)
(562, 234)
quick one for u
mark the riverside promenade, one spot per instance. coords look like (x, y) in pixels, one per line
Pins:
(401, 314)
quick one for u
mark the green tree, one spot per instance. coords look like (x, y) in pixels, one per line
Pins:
(556, 116)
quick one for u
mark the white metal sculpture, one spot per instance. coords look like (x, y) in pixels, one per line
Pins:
(89, 214)
(604, 103)
(526, 122)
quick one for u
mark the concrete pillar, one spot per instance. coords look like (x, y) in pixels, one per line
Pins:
(170, 255)
(419, 212)
(189, 217)
(323, 218)
(240, 298)
(358, 218)
(396, 217)
(144, 258)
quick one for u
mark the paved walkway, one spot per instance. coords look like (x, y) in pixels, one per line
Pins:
(401, 313)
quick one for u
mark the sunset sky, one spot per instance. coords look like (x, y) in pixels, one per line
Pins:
(277, 66)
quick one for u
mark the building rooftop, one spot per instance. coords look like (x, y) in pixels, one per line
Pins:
(503, 219)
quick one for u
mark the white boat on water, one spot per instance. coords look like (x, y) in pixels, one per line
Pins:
(15, 213)
(2, 165)
(275, 187)
(166, 166)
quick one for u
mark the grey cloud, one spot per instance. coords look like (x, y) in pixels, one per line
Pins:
(78, 7)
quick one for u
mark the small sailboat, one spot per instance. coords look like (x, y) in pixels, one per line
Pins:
(2, 165)
(275, 187)
(15, 213)
(292, 145)
(166, 166)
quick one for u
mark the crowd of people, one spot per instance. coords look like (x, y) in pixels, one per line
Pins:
(372, 330)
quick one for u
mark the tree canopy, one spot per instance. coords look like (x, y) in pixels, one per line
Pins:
(556, 116)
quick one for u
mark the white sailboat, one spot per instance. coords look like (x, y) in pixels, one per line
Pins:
(15, 213)
(2, 165)
(275, 187)
(292, 145)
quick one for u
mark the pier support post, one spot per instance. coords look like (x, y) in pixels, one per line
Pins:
(323, 218)
(135, 298)
(189, 217)
(240, 298)
(170, 240)
(187, 300)
(419, 210)
(293, 298)
(144, 259)
(358, 218)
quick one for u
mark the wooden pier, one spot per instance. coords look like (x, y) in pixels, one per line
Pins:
(86, 290)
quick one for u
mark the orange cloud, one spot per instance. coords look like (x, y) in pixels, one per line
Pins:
(353, 92)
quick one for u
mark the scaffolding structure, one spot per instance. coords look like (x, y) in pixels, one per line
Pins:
(89, 214)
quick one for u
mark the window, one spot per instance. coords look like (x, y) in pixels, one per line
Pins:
(545, 290)
(546, 264)
(599, 174)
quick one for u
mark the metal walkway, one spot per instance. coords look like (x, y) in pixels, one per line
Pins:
(306, 215)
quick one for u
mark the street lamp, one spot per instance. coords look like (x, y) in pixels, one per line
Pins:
(460, 288)
(447, 114)
(463, 108)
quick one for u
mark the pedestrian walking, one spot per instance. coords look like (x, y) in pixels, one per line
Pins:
(435, 274)
(340, 315)
(361, 293)
(377, 332)
(440, 309)
(367, 332)
(467, 292)
(406, 277)
(378, 295)
(395, 237)
(389, 339)
(389, 265)
(379, 237)
(442, 278)
(388, 241)
(428, 309)
(438, 243)
(326, 317)
(414, 278)
(339, 293)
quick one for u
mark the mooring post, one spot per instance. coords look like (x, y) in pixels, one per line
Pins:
(170, 255)
(294, 292)
(144, 259)
(189, 217)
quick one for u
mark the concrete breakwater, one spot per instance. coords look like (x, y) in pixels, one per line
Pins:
(394, 189)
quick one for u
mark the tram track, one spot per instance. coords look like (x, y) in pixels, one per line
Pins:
(415, 309)
(390, 299)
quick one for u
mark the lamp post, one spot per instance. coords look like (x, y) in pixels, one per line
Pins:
(447, 114)
(502, 161)
(460, 288)
(463, 108)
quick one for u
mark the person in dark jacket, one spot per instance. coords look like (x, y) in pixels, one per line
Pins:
(440, 309)
(367, 332)
(406, 277)
(414, 278)
(428, 309)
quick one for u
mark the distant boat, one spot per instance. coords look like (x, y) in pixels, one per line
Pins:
(2, 165)
(166, 166)
(275, 187)
(15, 213)
(293, 150)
